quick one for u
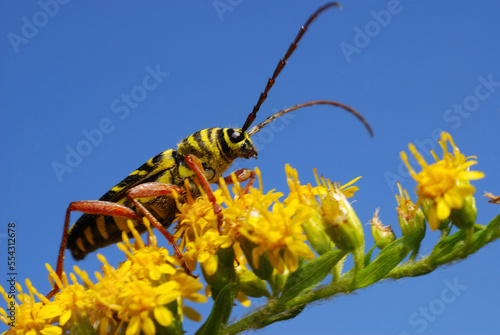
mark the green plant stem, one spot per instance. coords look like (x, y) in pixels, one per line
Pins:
(469, 232)
(272, 310)
(337, 269)
(275, 311)
(359, 261)
(424, 266)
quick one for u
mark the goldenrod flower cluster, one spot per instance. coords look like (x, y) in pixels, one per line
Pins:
(444, 184)
(259, 245)
(145, 293)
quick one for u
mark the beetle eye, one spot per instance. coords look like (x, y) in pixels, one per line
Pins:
(235, 136)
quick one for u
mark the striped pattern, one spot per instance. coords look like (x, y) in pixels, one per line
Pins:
(214, 147)
(208, 144)
(222, 144)
(137, 177)
(91, 232)
(96, 231)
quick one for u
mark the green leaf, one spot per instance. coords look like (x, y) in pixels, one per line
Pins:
(220, 312)
(447, 248)
(289, 314)
(368, 256)
(486, 235)
(310, 274)
(387, 259)
(451, 247)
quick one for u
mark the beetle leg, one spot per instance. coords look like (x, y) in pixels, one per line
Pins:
(113, 209)
(155, 189)
(89, 207)
(241, 176)
(195, 165)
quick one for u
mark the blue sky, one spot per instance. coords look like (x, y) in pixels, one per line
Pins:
(412, 68)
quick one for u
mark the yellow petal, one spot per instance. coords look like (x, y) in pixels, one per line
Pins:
(432, 217)
(203, 256)
(443, 210)
(163, 316)
(276, 260)
(166, 268)
(168, 297)
(191, 314)
(133, 327)
(148, 326)
(465, 190)
(453, 199)
(154, 273)
(65, 317)
(417, 155)
(472, 175)
(210, 265)
(225, 241)
(255, 257)
(168, 286)
(104, 326)
(242, 298)
(291, 260)
(301, 249)
(51, 330)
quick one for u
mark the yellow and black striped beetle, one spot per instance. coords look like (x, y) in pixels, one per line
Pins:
(201, 159)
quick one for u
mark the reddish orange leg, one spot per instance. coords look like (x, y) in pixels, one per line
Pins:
(241, 176)
(154, 189)
(195, 165)
(89, 207)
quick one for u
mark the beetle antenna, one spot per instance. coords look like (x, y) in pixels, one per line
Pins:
(273, 117)
(282, 62)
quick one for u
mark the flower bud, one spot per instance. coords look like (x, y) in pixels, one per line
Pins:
(316, 234)
(341, 222)
(260, 265)
(465, 217)
(429, 209)
(411, 219)
(225, 270)
(383, 235)
(250, 284)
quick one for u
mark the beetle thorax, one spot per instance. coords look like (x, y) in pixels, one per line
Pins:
(217, 148)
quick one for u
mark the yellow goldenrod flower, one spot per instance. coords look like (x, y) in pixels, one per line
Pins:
(305, 196)
(189, 287)
(195, 218)
(149, 262)
(139, 290)
(72, 300)
(251, 250)
(242, 206)
(445, 182)
(278, 234)
(199, 234)
(138, 301)
(144, 293)
(31, 317)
